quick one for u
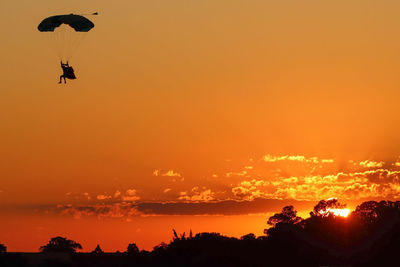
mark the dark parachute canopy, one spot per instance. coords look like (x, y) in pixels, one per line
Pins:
(77, 22)
(65, 33)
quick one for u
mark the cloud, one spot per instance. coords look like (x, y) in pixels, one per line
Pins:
(169, 173)
(131, 192)
(172, 173)
(130, 195)
(309, 179)
(76, 196)
(371, 164)
(197, 195)
(99, 210)
(230, 174)
(379, 183)
(249, 190)
(245, 193)
(181, 179)
(117, 194)
(128, 211)
(103, 197)
(299, 158)
(227, 207)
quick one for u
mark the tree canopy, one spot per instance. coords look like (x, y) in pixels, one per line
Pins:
(132, 249)
(60, 244)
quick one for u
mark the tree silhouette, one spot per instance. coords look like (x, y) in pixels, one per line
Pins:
(288, 216)
(322, 209)
(61, 244)
(182, 237)
(132, 249)
(250, 236)
(98, 250)
(373, 212)
(160, 248)
(3, 248)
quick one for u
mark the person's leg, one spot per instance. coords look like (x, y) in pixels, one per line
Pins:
(65, 80)
(61, 76)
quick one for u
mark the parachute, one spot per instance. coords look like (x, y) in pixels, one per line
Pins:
(66, 33)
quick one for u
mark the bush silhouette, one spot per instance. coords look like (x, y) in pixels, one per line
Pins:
(132, 249)
(3, 248)
(60, 244)
(98, 250)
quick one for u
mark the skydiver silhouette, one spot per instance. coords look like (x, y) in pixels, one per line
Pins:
(68, 72)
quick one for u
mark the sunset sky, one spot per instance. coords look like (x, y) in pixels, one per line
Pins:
(207, 115)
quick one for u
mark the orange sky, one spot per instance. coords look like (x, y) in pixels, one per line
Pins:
(194, 103)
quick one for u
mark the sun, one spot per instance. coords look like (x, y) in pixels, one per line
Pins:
(339, 212)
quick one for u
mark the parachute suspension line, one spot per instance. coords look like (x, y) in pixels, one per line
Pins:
(49, 42)
(63, 34)
(75, 44)
(60, 41)
(66, 42)
(56, 38)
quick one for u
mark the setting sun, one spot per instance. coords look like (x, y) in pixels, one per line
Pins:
(339, 212)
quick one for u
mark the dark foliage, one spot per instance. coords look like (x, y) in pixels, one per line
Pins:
(61, 244)
(369, 236)
(97, 250)
(322, 208)
(132, 249)
(3, 248)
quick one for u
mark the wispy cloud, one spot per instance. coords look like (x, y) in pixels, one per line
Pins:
(242, 173)
(379, 183)
(296, 177)
(169, 173)
(371, 164)
(99, 210)
(226, 207)
(117, 194)
(197, 195)
(127, 211)
(103, 197)
(130, 195)
(249, 189)
(299, 158)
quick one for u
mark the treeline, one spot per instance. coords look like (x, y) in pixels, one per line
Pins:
(369, 236)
